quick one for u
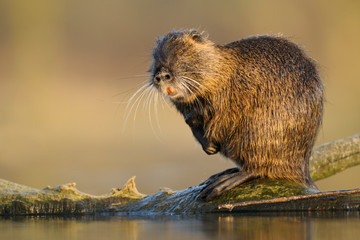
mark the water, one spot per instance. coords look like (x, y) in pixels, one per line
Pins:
(213, 226)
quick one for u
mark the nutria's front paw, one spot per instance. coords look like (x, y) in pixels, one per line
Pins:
(211, 149)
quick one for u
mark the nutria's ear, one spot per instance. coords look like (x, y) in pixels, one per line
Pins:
(196, 36)
(158, 40)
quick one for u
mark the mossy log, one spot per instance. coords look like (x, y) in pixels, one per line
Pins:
(256, 195)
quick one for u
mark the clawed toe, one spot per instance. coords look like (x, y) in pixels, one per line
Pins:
(212, 178)
(211, 150)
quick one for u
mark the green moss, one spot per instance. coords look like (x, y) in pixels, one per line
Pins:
(259, 189)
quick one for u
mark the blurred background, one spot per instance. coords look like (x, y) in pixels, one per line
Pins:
(68, 68)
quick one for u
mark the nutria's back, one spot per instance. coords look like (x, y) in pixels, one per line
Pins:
(276, 101)
(258, 101)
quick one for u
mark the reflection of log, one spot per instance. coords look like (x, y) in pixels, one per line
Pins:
(257, 195)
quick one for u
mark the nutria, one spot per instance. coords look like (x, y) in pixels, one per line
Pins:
(257, 101)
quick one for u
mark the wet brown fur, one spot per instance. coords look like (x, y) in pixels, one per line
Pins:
(260, 102)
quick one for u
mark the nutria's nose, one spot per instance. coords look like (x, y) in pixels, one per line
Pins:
(162, 76)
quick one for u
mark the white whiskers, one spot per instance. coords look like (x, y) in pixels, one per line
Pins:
(191, 92)
(150, 99)
(139, 94)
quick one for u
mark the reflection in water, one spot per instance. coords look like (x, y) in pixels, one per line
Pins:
(213, 226)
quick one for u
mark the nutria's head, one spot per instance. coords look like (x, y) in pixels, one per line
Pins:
(183, 61)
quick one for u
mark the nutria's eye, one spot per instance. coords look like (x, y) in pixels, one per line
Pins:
(181, 52)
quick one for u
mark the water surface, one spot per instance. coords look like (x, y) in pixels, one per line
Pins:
(212, 226)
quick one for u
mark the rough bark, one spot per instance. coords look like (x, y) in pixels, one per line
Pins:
(257, 195)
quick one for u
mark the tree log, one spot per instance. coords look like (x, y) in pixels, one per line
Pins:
(334, 157)
(256, 195)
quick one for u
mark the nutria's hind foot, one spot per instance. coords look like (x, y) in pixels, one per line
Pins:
(222, 182)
